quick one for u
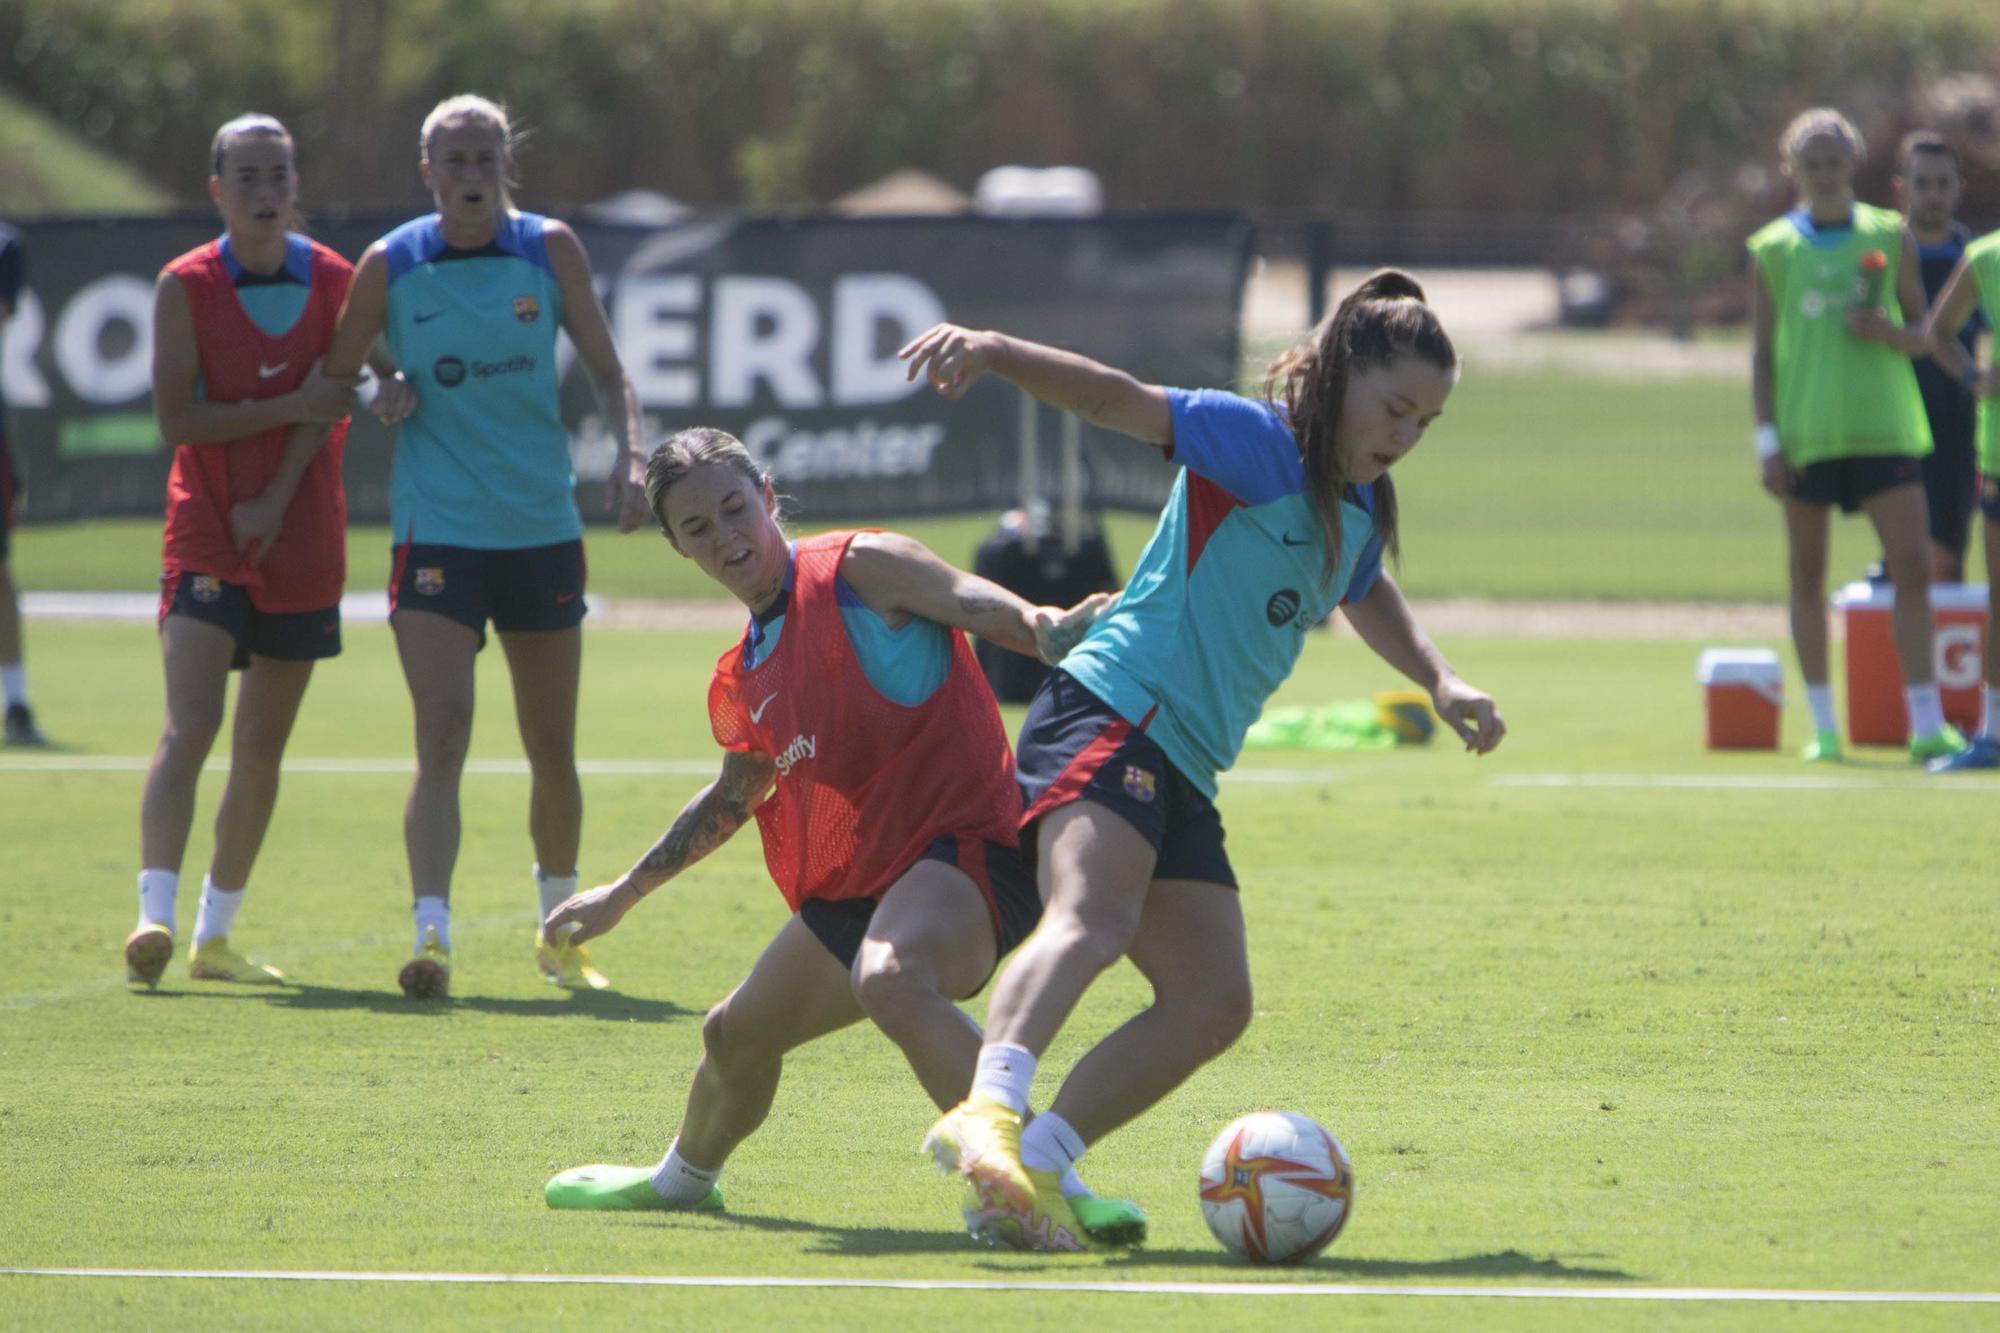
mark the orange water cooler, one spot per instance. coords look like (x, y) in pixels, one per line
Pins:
(1876, 714)
(1743, 690)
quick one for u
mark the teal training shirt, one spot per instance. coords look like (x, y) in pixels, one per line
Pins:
(905, 665)
(484, 460)
(1215, 614)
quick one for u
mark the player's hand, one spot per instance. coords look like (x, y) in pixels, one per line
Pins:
(627, 494)
(322, 397)
(1470, 713)
(254, 524)
(1867, 322)
(1776, 476)
(586, 915)
(950, 357)
(1058, 630)
(394, 399)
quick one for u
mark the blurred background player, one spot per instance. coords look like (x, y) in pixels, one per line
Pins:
(20, 726)
(860, 731)
(1929, 186)
(1974, 287)
(482, 502)
(1281, 513)
(1839, 419)
(255, 545)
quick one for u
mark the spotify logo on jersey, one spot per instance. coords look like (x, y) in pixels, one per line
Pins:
(450, 371)
(1284, 604)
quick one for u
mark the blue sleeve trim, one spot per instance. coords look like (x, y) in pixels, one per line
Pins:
(843, 593)
(1240, 444)
(417, 241)
(525, 235)
(299, 258)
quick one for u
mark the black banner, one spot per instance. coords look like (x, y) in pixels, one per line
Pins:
(782, 331)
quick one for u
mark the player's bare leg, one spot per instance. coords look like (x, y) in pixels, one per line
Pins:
(1903, 523)
(931, 939)
(1191, 948)
(546, 666)
(437, 654)
(1806, 533)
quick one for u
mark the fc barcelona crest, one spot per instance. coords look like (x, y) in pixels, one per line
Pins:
(206, 588)
(1139, 784)
(527, 309)
(430, 582)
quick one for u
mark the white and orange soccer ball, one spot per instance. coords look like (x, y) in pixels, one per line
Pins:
(1276, 1187)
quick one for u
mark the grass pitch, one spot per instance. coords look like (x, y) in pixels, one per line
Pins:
(1673, 1036)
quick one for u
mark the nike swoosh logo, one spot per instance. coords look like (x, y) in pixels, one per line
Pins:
(757, 713)
(425, 319)
(562, 597)
(265, 372)
(1289, 540)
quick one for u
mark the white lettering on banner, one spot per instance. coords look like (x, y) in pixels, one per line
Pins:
(95, 375)
(864, 371)
(21, 382)
(865, 449)
(651, 337)
(763, 329)
(1957, 653)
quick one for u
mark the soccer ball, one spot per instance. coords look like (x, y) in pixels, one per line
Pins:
(1276, 1187)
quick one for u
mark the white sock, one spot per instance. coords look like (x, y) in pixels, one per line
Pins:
(1819, 698)
(433, 914)
(14, 679)
(1004, 1073)
(554, 891)
(156, 897)
(1072, 1186)
(218, 911)
(1050, 1144)
(678, 1180)
(1989, 727)
(1926, 710)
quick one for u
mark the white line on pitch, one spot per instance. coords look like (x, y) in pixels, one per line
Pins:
(1578, 1293)
(1737, 782)
(129, 763)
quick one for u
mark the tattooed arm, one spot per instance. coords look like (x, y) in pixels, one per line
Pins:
(900, 579)
(716, 812)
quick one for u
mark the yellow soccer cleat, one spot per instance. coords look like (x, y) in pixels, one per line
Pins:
(148, 950)
(427, 976)
(568, 965)
(979, 1140)
(1046, 1222)
(214, 960)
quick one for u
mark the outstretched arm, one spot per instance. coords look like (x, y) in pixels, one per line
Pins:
(1383, 620)
(1954, 306)
(708, 821)
(900, 579)
(953, 358)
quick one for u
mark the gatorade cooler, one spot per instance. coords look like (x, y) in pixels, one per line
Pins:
(1743, 689)
(1876, 714)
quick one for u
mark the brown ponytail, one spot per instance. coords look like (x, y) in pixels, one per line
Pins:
(1379, 321)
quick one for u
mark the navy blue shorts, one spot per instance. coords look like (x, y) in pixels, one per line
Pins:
(289, 636)
(1951, 469)
(1853, 482)
(1003, 878)
(7, 486)
(1075, 747)
(523, 587)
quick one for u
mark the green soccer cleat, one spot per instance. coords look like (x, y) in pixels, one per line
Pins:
(1940, 743)
(568, 965)
(148, 950)
(214, 960)
(1109, 1221)
(427, 976)
(1824, 748)
(619, 1189)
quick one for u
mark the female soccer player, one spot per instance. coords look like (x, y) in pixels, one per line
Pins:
(1839, 419)
(859, 730)
(1281, 513)
(255, 543)
(468, 300)
(1975, 284)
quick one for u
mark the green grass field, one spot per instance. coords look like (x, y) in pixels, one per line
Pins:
(1558, 486)
(1718, 1032)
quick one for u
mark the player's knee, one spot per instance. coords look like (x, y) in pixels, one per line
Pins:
(191, 731)
(727, 1046)
(1217, 1012)
(1090, 939)
(886, 982)
(444, 734)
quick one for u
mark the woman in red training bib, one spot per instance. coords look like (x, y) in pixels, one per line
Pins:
(255, 549)
(858, 729)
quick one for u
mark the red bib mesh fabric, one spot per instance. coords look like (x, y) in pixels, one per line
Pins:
(864, 784)
(306, 567)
